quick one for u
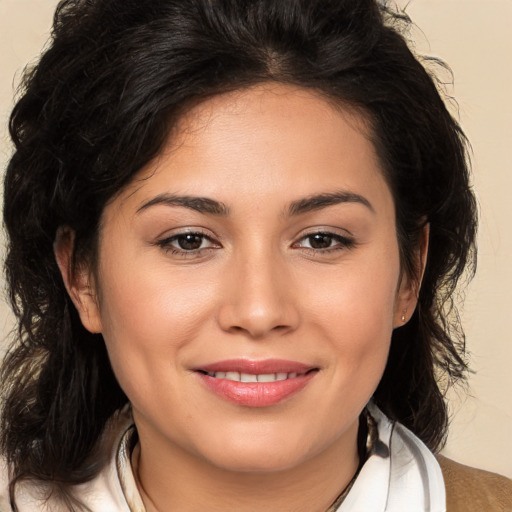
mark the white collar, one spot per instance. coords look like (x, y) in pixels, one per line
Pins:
(404, 477)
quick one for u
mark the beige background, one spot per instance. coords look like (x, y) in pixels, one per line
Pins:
(475, 38)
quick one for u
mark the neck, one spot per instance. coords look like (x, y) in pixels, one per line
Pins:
(172, 480)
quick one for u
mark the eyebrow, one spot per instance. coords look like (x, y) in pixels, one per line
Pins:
(213, 207)
(199, 204)
(320, 201)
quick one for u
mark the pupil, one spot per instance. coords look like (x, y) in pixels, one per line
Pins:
(190, 242)
(320, 241)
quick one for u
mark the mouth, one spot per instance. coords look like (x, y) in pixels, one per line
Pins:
(258, 377)
(256, 383)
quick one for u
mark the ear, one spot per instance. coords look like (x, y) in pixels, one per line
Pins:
(409, 288)
(78, 281)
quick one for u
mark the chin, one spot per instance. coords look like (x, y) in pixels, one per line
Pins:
(264, 455)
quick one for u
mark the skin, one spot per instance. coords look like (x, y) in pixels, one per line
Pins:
(257, 289)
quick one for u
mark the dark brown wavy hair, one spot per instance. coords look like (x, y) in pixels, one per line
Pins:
(100, 104)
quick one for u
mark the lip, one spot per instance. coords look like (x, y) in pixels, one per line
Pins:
(256, 366)
(256, 394)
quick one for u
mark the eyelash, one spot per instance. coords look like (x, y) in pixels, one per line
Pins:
(165, 244)
(341, 243)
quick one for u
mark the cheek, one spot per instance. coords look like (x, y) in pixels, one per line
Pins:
(149, 313)
(143, 291)
(358, 297)
(354, 308)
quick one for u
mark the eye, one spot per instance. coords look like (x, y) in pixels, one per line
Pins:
(189, 242)
(324, 241)
(320, 240)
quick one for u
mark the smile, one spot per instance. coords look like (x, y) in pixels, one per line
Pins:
(256, 383)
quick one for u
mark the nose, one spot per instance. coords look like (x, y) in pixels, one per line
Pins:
(258, 297)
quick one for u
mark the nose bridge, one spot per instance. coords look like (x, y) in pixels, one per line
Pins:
(257, 300)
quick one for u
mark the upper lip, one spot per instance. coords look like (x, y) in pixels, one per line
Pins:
(256, 367)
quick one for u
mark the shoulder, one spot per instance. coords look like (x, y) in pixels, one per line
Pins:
(469, 489)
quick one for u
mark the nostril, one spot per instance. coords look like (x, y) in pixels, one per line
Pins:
(255, 319)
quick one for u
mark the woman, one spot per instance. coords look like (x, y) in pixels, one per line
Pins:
(234, 228)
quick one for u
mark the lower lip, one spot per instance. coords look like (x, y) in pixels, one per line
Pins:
(257, 394)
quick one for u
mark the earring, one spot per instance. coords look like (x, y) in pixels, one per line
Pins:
(403, 316)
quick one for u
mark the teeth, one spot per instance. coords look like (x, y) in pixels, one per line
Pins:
(267, 377)
(249, 377)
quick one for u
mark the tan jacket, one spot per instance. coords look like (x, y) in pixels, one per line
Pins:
(474, 490)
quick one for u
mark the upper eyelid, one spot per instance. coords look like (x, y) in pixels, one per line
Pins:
(166, 242)
(336, 236)
(184, 233)
(344, 241)
(167, 245)
(327, 230)
(176, 232)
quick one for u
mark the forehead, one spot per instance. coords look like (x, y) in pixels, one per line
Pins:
(272, 113)
(265, 141)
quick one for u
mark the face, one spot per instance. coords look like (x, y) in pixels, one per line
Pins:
(260, 246)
